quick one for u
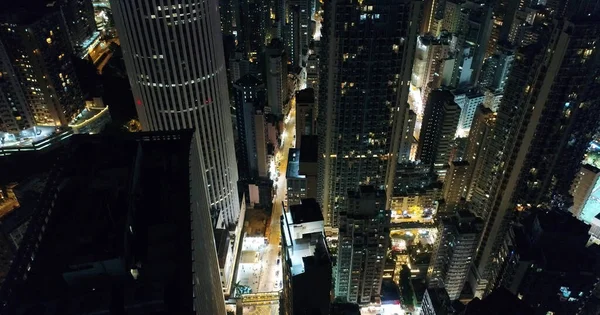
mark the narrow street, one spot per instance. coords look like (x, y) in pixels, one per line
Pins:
(270, 278)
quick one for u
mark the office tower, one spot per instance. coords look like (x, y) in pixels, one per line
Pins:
(305, 260)
(456, 185)
(125, 251)
(277, 87)
(365, 68)
(496, 69)
(178, 84)
(453, 252)
(468, 102)
(438, 130)
(37, 55)
(542, 130)
(301, 171)
(584, 191)
(484, 121)
(363, 243)
(249, 94)
(81, 23)
(305, 114)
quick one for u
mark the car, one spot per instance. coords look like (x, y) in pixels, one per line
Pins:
(278, 261)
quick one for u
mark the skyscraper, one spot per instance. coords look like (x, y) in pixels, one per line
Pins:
(173, 52)
(543, 128)
(363, 243)
(366, 60)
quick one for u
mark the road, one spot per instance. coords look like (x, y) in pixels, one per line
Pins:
(270, 278)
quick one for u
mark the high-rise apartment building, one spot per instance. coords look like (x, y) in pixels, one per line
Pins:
(438, 129)
(366, 62)
(484, 121)
(276, 71)
(249, 94)
(36, 54)
(174, 57)
(363, 243)
(81, 23)
(15, 113)
(456, 184)
(454, 251)
(496, 69)
(542, 130)
(429, 63)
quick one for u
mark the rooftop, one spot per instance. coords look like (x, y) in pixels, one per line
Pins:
(309, 151)
(293, 166)
(109, 234)
(307, 211)
(306, 96)
(248, 80)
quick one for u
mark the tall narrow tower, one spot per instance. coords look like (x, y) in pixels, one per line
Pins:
(365, 70)
(174, 58)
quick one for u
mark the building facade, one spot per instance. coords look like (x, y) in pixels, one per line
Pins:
(454, 251)
(366, 60)
(363, 244)
(249, 99)
(439, 127)
(542, 131)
